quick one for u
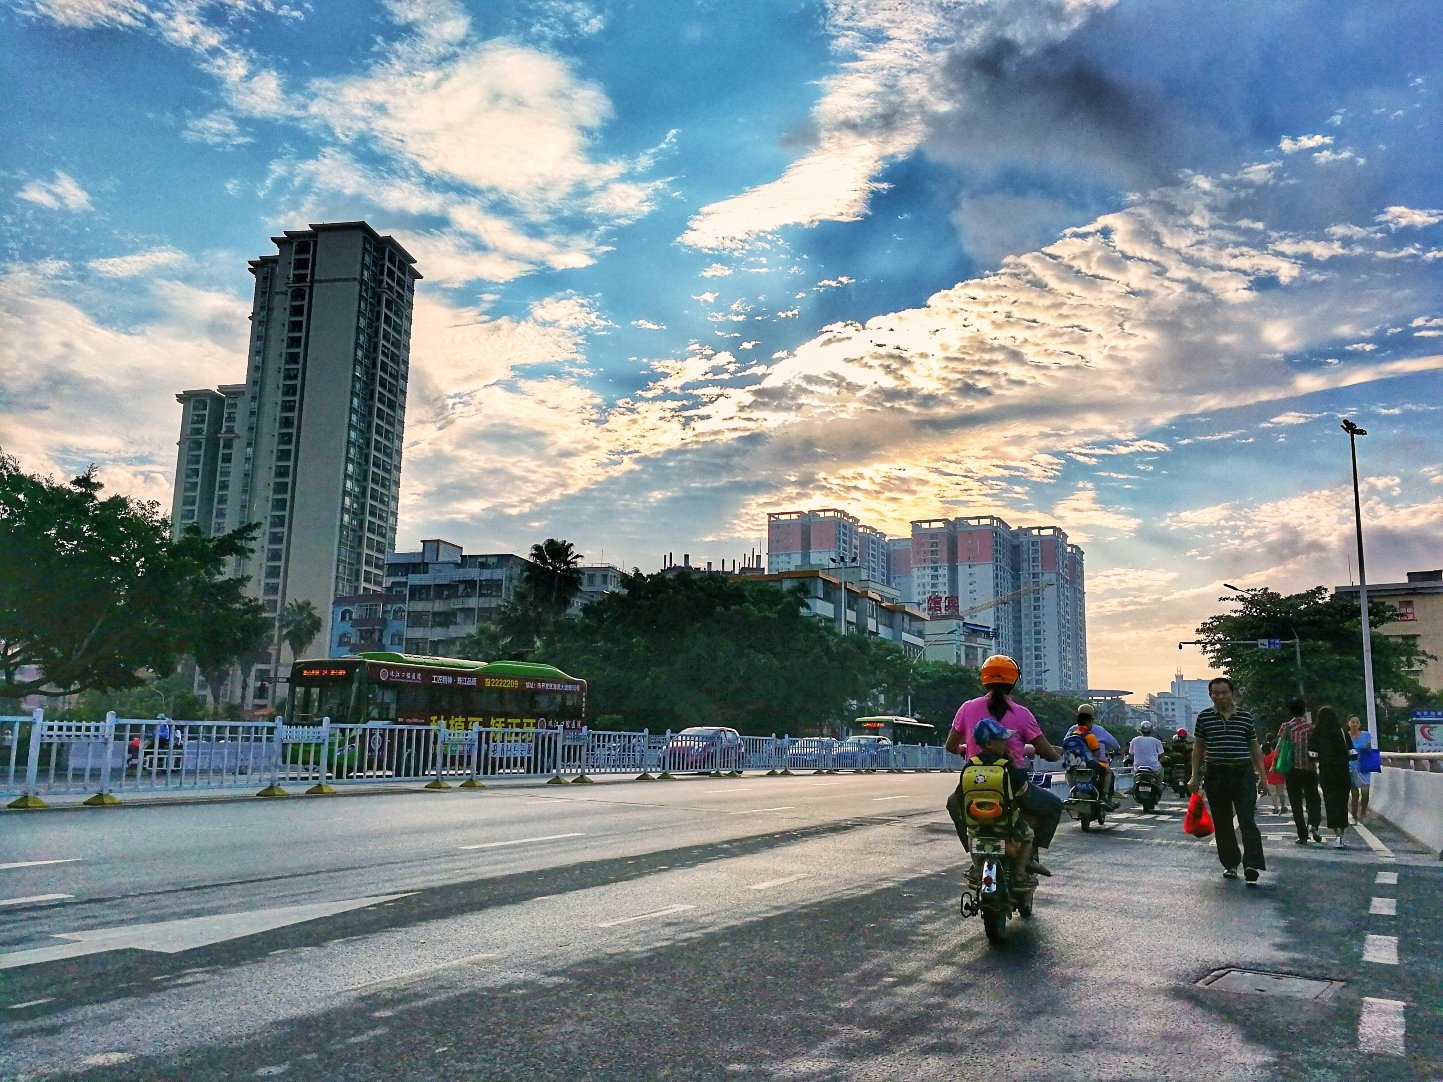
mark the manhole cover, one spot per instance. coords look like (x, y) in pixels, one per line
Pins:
(1257, 983)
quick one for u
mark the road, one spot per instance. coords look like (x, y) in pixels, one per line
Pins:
(773, 928)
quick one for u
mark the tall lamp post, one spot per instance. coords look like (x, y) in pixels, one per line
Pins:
(1354, 432)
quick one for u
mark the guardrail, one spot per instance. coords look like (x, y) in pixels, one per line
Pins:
(109, 759)
(1409, 794)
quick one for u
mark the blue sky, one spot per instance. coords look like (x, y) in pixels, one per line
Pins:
(1115, 266)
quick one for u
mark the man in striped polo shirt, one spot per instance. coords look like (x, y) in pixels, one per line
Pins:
(1224, 736)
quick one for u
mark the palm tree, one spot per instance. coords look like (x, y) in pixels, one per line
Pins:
(300, 623)
(553, 578)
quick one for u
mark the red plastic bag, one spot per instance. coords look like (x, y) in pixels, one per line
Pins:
(1197, 821)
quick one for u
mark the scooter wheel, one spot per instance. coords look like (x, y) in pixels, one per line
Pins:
(1086, 822)
(995, 923)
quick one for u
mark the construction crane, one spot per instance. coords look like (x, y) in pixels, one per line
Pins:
(996, 602)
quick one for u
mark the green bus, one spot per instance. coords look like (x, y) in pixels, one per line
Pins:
(409, 689)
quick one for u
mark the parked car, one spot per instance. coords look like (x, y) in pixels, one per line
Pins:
(813, 753)
(704, 748)
(864, 753)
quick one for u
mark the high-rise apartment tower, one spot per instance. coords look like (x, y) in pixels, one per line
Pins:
(310, 445)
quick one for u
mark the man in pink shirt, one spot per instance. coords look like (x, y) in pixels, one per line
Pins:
(1042, 808)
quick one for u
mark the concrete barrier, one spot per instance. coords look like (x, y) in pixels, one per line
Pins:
(1410, 799)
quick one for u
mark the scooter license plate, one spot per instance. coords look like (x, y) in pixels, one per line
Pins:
(988, 845)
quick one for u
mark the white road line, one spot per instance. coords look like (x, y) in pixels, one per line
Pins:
(647, 916)
(778, 882)
(36, 863)
(1383, 907)
(736, 789)
(1382, 949)
(902, 797)
(753, 811)
(523, 841)
(1387, 878)
(1373, 842)
(30, 1003)
(1381, 1029)
(430, 971)
(35, 899)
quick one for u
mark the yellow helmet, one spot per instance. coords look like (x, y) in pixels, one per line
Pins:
(1000, 669)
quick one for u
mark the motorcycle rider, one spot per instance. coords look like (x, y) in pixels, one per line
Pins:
(1146, 751)
(1179, 757)
(1103, 773)
(1044, 810)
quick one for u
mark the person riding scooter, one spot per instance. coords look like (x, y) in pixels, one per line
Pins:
(1102, 772)
(1178, 761)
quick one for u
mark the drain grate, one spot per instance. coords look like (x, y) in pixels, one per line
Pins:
(1255, 982)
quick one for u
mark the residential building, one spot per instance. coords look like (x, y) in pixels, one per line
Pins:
(596, 580)
(361, 623)
(1173, 711)
(899, 568)
(1194, 691)
(310, 444)
(1417, 606)
(449, 593)
(824, 539)
(856, 605)
(960, 642)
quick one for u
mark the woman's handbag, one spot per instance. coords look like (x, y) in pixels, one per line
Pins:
(1370, 760)
(1197, 821)
(1284, 762)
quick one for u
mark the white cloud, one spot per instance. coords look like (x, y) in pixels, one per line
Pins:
(716, 270)
(1292, 417)
(1409, 218)
(60, 193)
(1324, 157)
(128, 266)
(1290, 144)
(648, 325)
(81, 14)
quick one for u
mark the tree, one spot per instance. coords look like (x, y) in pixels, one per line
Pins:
(230, 629)
(1330, 645)
(939, 688)
(487, 643)
(170, 695)
(553, 578)
(95, 590)
(300, 623)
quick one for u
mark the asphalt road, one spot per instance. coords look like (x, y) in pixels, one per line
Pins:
(726, 928)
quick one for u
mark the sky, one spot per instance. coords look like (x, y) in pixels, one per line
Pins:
(1119, 267)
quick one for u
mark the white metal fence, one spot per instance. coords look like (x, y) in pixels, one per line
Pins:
(105, 760)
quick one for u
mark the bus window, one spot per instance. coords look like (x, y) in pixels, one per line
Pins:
(383, 705)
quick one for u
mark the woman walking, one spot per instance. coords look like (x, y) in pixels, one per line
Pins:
(1334, 755)
(1361, 740)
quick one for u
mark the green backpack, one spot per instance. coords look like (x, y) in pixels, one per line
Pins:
(987, 796)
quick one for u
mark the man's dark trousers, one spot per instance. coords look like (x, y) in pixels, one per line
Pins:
(1234, 791)
(1303, 785)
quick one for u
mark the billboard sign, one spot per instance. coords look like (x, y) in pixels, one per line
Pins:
(1428, 730)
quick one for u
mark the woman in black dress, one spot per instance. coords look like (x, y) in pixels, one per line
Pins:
(1334, 751)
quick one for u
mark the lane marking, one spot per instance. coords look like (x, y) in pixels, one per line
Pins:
(736, 789)
(437, 968)
(1384, 907)
(1381, 1028)
(524, 841)
(779, 882)
(754, 811)
(35, 899)
(1373, 842)
(174, 936)
(548, 800)
(30, 1003)
(647, 916)
(903, 797)
(1382, 949)
(35, 863)
(1387, 878)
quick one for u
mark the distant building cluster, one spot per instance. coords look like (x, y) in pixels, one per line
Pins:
(983, 585)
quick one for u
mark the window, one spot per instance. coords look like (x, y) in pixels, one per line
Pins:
(1406, 610)
(397, 639)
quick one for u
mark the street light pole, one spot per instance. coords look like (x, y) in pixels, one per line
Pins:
(1354, 432)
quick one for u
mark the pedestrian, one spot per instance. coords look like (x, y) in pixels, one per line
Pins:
(1362, 741)
(1225, 738)
(1334, 756)
(1302, 773)
(1277, 782)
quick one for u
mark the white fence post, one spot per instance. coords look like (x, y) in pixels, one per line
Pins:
(277, 752)
(585, 745)
(473, 782)
(646, 774)
(323, 787)
(438, 730)
(105, 797)
(30, 798)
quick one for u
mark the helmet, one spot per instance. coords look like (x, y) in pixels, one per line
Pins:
(1145, 728)
(1000, 669)
(1181, 732)
(989, 729)
(1086, 709)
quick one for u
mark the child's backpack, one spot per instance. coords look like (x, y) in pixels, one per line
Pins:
(987, 796)
(1076, 755)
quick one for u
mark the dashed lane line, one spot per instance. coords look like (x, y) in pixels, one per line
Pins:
(1381, 1027)
(35, 899)
(902, 797)
(754, 811)
(647, 916)
(524, 841)
(778, 882)
(1387, 878)
(1382, 949)
(35, 863)
(30, 1003)
(1383, 907)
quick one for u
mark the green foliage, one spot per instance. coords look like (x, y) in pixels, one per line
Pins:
(668, 651)
(939, 688)
(93, 590)
(300, 623)
(487, 643)
(228, 628)
(1328, 628)
(1057, 713)
(171, 696)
